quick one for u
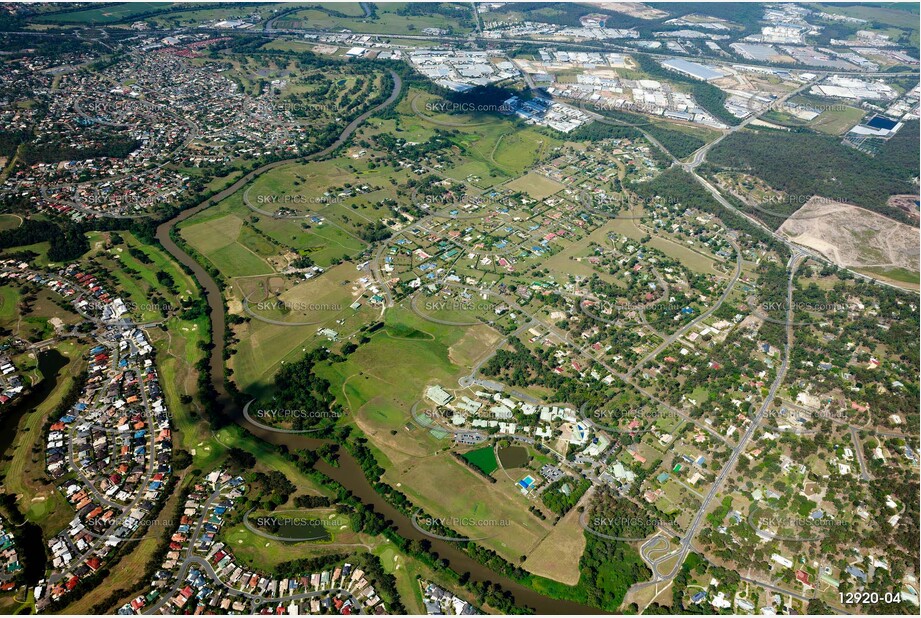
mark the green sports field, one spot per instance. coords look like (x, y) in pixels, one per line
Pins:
(483, 458)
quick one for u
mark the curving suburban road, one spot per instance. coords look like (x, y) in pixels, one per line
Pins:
(703, 316)
(688, 538)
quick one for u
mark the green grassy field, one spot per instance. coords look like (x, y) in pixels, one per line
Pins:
(208, 13)
(388, 20)
(9, 302)
(39, 248)
(237, 250)
(477, 310)
(507, 526)
(381, 381)
(324, 243)
(219, 240)
(405, 571)
(263, 553)
(535, 185)
(904, 17)
(483, 458)
(105, 15)
(836, 122)
(264, 347)
(177, 353)
(24, 472)
(214, 234)
(9, 222)
(902, 275)
(239, 259)
(289, 45)
(835, 117)
(496, 148)
(173, 13)
(34, 324)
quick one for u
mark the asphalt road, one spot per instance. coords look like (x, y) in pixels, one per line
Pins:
(703, 316)
(693, 528)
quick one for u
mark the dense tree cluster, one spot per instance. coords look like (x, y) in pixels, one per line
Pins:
(517, 367)
(375, 231)
(608, 567)
(113, 147)
(10, 141)
(560, 502)
(310, 501)
(806, 164)
(68, 241)
(301, 397)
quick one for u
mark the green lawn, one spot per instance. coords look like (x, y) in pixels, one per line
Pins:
(105, 15)
(9, 302)
(896, 274)
(483, 458)
(459, 20)
(236, 260)
(9, 222)
(837, 121)
(381, 380)
(24, 473)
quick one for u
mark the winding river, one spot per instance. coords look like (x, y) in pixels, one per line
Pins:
(348, 473)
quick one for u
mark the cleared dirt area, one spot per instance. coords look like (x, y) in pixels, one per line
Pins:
(908, 203)
(478, 341)
(853, 237)
(633, 9)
